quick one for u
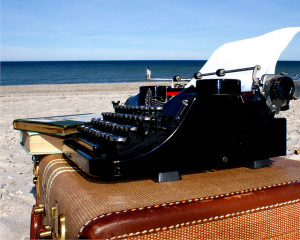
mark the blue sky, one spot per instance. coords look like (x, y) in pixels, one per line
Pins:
(138, 29)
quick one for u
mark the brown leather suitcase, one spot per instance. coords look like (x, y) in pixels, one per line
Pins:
(237, 203)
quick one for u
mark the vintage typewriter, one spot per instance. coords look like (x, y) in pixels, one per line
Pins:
(164, 131)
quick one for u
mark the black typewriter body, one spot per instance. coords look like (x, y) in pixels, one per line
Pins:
(208, 126)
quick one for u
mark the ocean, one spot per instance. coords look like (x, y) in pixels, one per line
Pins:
(69, 72)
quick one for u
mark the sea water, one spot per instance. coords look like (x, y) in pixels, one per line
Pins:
(67, 72)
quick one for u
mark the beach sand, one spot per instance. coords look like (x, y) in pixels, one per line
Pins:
(17, 188)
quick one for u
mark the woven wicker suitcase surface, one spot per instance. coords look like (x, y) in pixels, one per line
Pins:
(146, 209)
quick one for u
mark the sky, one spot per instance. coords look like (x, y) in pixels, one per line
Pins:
(38, 30)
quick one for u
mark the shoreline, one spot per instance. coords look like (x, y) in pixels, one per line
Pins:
(76, 87)
(25, 101)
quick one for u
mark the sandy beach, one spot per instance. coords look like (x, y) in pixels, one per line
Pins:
(17, 188)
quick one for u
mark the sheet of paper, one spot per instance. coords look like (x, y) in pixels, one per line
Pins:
(263, 50)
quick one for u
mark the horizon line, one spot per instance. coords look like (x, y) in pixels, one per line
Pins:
(1, 61)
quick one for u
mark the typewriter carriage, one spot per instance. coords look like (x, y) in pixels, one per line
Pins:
(275, 90)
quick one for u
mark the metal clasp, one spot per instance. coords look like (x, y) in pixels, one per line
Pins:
(59, 228)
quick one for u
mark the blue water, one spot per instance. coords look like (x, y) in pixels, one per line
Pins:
(67, 72)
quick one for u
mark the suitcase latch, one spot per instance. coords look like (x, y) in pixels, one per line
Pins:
(59, 228)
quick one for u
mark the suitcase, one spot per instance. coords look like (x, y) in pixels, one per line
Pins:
(238, 203)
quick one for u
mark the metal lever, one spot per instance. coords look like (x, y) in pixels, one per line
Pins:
(221, 72)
